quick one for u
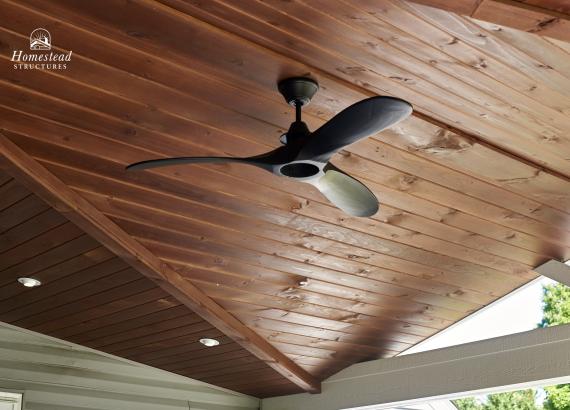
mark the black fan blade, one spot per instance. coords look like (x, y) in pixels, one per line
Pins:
(347, 193)
(265, 161)
(360, 120)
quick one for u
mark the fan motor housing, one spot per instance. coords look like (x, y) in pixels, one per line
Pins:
(304, 170)
(297, 90)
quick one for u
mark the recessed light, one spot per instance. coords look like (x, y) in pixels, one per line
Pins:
(29, 282)
(209, 342)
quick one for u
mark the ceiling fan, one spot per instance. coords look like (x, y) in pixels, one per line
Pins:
(305, 155)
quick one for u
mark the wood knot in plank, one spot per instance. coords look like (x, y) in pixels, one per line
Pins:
(519, 180)
(394, 218)
(404, 80)
(136, 34)
(352, 256)
(543, 24)
(549, 138)
(481, 63)
(300, 205)
(406, 181)
(351, 318)
(350, 70)
(291, 294)
(445, 142)
(511, 235)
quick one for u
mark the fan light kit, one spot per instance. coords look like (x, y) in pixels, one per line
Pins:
(209, 342)
(305, 155)
(29, 282)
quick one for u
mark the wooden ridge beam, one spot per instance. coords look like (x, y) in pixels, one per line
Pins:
(516, 14)
(79, 211)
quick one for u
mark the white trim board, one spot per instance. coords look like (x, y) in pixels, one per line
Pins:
(555, 270)
(535, 358)
(51, 372)
(29, 337)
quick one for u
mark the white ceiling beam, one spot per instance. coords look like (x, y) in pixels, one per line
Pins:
(534, 358)
(555, 270)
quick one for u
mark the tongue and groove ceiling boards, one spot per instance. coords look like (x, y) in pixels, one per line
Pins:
(474, 188)
(543, 17)
(91, 297)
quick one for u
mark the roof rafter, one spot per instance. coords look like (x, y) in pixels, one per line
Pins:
(79, 211)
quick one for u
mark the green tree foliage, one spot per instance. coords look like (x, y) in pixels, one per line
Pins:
(556, 305)
(558, 397)
(516, 400)
(468, 403)
(556, 312)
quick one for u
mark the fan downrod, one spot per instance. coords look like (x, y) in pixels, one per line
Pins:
(298, 90)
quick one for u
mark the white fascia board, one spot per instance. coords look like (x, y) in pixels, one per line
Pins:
(535, 358)
(28, 358)
(556, 270)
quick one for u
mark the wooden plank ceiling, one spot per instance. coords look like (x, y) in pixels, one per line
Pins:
(474, 188)
(549, 18)
(91, 297)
